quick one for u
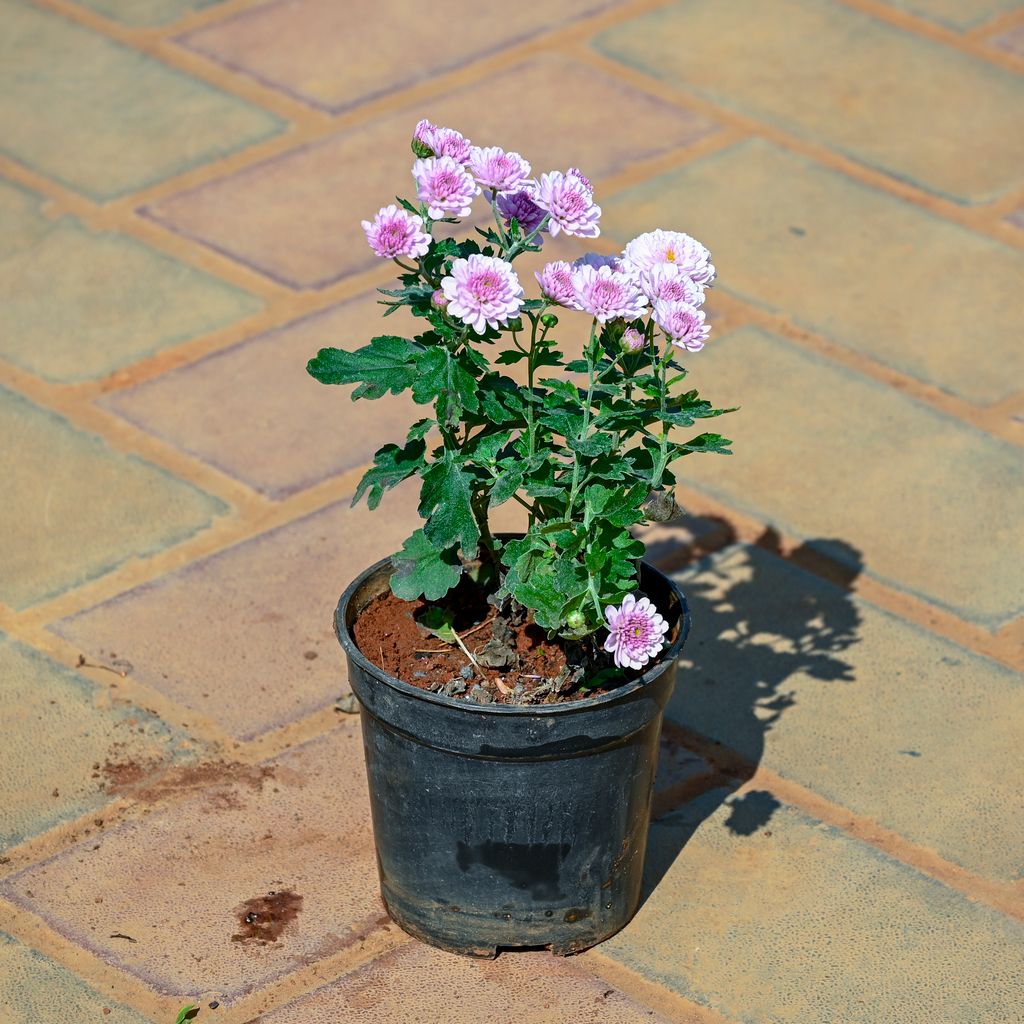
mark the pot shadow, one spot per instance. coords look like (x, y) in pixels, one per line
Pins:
(759, 618)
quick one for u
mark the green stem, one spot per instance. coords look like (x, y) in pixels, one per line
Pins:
(522, 244)
(586, 421)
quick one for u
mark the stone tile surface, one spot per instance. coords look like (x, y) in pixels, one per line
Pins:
(848, 261)
(296, 217)
(799, 922)
(178, 880)
(822, 70)
(874, 713)
(62, 734)
(59, 525)
(1012, 40)
(959, 14)
(926, 503)
(316, 50)
(534, 987)
(253, 411)
(34, 989)
(259, 618)
(104, 119)
(79, 304)
(146, 12)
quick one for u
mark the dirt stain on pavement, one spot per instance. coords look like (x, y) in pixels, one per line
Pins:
(264, 918)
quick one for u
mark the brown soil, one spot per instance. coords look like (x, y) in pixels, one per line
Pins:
(389, 634)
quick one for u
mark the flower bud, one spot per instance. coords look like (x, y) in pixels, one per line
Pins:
(632, 340)
(660, 507)
(516, 324)
(438, 300)
(575, 620)
(549, 320)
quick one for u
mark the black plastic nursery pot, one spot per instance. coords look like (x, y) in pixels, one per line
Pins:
(501, 827)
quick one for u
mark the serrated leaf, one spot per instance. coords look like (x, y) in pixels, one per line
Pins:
(510, 356)
(442, 378)
(387, 364)
(419, 429)
(446, 506)
(391, 465)
(510, 481)
(485, 448)
(423, 570)
(593, 446)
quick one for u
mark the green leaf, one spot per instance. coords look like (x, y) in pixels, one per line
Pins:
(441, 378)
(391, 466)
(485, 448)
(510, 481)
(423, 570)
(596, 444)
(703, 443)
(440, 622)
(419, 429)
(512, 355)
(386, 364)
(186, 1013)
(617, 506)
(446, 505)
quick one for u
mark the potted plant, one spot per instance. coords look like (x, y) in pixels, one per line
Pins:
(511, 688)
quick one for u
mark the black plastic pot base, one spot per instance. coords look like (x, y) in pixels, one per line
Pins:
(503, 827)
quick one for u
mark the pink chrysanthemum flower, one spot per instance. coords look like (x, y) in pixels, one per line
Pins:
(445, 186)
(570, 201)
(653, 247)
(633, 340)
(430, 140)
(684, 324)
(667, 282)
(608, 294)
(396, 232)
(495, 169)
(483, 291)
(521, 206)
(596, 260)
(556, 283)
(636, 632)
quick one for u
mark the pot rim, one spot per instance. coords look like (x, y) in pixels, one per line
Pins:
(348, 644)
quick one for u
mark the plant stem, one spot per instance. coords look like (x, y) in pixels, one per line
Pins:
(586, 421)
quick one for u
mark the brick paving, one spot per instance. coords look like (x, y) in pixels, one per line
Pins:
(839, 801)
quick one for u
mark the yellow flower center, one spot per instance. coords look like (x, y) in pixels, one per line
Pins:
(670, 255)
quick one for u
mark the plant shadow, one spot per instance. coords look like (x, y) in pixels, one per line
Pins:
(760, 617)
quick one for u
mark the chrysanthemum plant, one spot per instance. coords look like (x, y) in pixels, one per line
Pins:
(587, 446)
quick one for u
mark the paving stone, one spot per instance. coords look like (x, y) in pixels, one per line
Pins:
(64, 742)
(960, 14)
(926, 503)
(253, 411)
(870, 711)
(335, 58)
(261, 650)
(79, 304)
(1012, 40)
(147, 12)
(296, 217)
(848, 261)
(105, 119)
(179, 880)
(75, 509)
(532, 987)
(824, 71)
(799, 922)
(33, 989)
